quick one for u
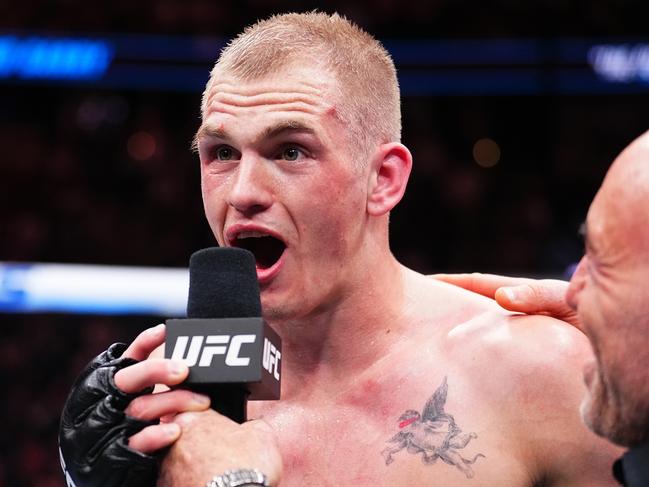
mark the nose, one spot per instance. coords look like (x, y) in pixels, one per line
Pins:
(577, 282)
(250, 191)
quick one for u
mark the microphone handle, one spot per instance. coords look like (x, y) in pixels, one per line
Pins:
(230, 400)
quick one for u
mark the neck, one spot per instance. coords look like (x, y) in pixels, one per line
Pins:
(347, 335)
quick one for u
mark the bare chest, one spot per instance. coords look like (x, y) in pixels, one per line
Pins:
(401, 440)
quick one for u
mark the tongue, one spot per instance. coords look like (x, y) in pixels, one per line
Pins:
(267, 250)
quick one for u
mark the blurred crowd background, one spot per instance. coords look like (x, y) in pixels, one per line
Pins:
(105, 176)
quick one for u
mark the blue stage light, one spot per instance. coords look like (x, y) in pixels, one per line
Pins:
(43, 58)
(108, 290)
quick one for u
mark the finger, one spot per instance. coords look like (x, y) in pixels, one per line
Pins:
(485, 284)
(153, 371)
(184, 420)
(153, 438)
(154, 406)
(146, 342)
(546, 296)
(259, 425)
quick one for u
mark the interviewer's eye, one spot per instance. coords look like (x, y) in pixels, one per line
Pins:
(581, 231)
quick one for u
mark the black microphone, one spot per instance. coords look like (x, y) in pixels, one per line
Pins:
(232, 354)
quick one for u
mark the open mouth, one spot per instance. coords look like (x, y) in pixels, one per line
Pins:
(266, 249)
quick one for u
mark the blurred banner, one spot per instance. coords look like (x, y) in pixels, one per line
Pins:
(426, 67)
(93, 289)
(104, 290)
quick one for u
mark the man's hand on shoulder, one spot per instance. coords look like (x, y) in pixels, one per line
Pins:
(211, 444)
(519, 294)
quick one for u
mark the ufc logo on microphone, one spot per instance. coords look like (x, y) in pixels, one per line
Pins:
(208, 346)
(271, 358)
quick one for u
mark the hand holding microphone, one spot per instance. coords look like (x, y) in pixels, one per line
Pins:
(109, 432)
(232, 356)
(231, 353)
(94, 431)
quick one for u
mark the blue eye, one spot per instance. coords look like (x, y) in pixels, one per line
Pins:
(291, 154)
(224, 153)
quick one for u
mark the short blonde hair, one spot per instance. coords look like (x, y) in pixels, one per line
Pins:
(370, 104)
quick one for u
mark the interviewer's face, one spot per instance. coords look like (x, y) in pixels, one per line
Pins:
(610, 293)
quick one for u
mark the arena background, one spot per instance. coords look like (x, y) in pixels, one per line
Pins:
(511, 119)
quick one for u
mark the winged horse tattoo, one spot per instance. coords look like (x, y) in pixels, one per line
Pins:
(434, 434)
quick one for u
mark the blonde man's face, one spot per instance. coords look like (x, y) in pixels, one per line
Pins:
(277, 179)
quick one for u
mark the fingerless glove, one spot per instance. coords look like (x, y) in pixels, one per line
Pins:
(94, 429)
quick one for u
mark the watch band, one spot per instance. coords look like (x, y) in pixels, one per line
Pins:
(239, 478)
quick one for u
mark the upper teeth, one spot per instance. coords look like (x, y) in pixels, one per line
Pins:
(251, 234)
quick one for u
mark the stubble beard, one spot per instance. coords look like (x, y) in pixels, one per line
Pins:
(607, 413)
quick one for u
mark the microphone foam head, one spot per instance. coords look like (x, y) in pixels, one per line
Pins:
(223, 284)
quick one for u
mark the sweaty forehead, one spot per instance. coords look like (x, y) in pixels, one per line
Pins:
(303, 90)
(619, 213)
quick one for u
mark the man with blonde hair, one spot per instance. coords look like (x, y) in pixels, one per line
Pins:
(389, 378)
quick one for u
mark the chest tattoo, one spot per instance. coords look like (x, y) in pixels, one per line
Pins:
(434, 434)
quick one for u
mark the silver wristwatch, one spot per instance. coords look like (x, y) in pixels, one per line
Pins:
(239, 478)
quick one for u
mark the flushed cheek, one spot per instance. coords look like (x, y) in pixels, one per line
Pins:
(215, 211)
(330, 237)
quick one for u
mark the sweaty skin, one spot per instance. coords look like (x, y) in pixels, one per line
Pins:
(513, 384)
(367, 340)
(389, 378)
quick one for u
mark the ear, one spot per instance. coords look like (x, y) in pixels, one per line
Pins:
(388, 177)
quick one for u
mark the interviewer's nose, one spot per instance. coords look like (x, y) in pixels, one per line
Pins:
(577, 282)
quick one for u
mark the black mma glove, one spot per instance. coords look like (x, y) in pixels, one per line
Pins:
(94, 430)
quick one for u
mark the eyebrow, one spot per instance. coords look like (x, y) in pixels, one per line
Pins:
(274, 130)
(207, 131)
(286, 126)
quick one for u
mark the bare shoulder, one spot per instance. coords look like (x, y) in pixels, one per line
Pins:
(534, 377)
(530, 362)
(445, 305)
(527, 357)
(525, 372)
(524, 343)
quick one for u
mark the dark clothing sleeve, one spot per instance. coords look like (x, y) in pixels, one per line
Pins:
(632, 470)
